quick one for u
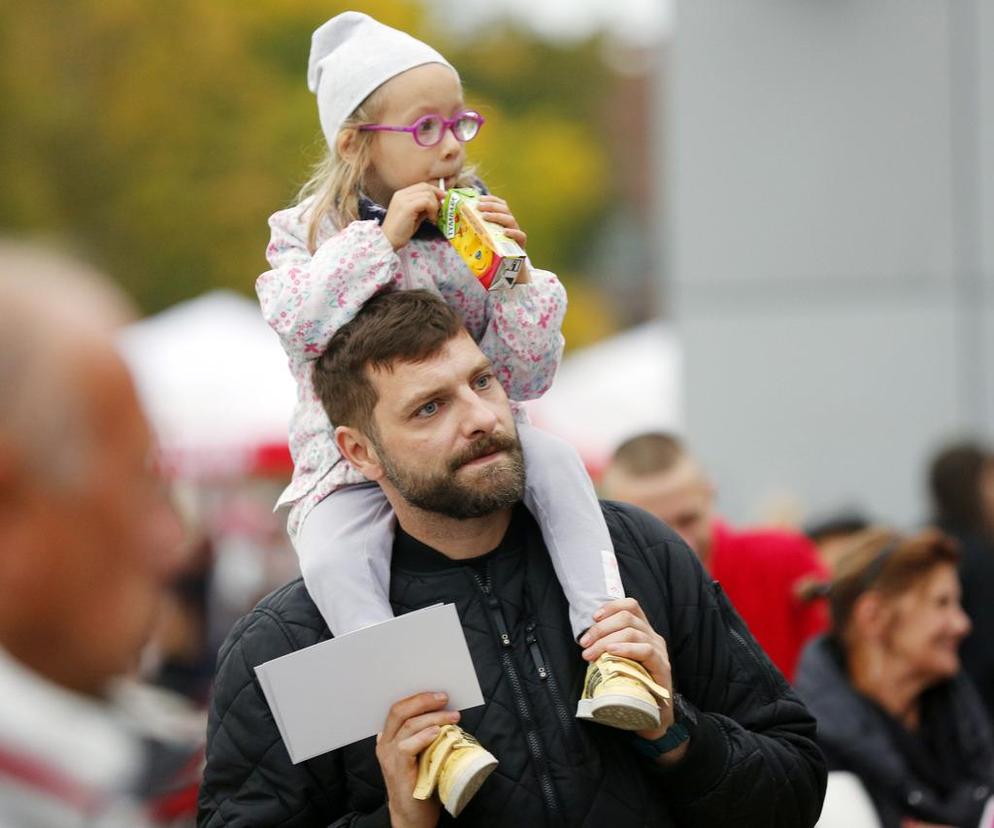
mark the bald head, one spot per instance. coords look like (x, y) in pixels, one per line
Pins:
(51, 307)
(87, 536)
(655, 472)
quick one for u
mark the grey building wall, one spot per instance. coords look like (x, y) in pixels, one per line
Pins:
(829, 242)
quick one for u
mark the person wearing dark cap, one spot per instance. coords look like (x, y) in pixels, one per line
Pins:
(832, 533)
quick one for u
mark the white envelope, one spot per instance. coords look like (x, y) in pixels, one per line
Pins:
(340, 691)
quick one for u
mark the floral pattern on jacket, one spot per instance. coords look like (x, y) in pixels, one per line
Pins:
(306, 298)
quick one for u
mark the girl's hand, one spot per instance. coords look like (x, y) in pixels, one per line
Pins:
(496, 210)
(408, 208)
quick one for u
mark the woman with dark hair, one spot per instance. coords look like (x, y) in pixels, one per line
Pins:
(892, 704)
(961, 481)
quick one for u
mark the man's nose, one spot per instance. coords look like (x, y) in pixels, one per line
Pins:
(477, 417)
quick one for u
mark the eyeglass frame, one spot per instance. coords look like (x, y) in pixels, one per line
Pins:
(447, 124)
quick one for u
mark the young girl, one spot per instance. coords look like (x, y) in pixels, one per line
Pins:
(392, 111)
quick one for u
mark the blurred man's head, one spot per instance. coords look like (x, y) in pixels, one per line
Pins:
(419, 410)
(961, 479)
(87, 535)
(655, 472)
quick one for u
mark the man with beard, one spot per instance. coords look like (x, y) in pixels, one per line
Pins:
(420, 413)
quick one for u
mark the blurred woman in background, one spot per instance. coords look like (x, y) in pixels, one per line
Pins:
(892, 704)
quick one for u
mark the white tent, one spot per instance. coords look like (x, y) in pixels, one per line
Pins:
(613, 390)
(215, 383)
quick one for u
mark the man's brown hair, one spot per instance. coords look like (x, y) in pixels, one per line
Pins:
(651, 453)
(399, 326)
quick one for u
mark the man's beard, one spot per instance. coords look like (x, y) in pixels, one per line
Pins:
(499, 484)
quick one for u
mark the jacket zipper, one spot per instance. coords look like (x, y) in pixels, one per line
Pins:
(739, 639)
(524, 712)
(546, 676)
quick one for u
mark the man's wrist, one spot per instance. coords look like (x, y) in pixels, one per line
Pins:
(676, 738)
(401, 818)
(671, 746)
(410, 813)
(675, 756)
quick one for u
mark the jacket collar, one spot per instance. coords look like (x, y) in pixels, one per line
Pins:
(412, 555)
(369, 210)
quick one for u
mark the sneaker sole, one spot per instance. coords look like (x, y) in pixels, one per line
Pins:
(465, 786)
(621, 712)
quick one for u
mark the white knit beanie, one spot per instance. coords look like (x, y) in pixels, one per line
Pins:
(351, 55)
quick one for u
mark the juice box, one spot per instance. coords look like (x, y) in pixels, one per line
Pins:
(495, 260)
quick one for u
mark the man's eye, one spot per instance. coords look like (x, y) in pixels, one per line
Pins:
(428, 409)
(483, 381)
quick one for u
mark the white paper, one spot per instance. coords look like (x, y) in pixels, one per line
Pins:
(987, 820)
(340, 691)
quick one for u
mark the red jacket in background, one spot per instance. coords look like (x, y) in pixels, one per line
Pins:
(760, 571)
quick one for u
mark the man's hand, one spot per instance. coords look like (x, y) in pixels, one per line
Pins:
(622, 629)
(407, 209)
(412, 725)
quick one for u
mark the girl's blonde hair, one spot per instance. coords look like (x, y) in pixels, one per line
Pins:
(336, 182)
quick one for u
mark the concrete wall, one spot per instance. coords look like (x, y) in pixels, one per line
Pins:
(829, 242)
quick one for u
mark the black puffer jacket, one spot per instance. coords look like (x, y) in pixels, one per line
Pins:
(752, 761)
(942, 776)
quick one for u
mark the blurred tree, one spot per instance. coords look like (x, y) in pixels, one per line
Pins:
(591, 315)
(158, 137)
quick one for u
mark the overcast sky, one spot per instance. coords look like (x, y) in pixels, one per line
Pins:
(641, 21)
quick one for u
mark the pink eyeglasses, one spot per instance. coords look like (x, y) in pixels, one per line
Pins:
(428, 130)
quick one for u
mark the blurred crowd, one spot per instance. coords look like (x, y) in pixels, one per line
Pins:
(117, 592)
(884, 634)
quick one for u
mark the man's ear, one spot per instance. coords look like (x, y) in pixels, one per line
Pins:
(358, 449)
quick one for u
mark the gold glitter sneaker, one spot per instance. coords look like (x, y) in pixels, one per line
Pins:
(620, 693)
(457, 765)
